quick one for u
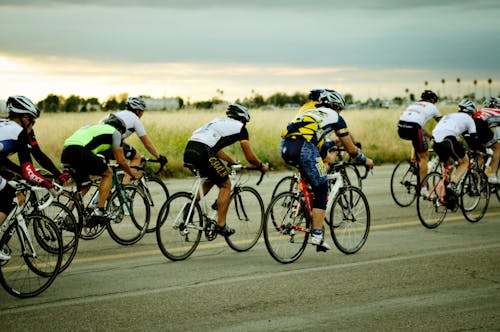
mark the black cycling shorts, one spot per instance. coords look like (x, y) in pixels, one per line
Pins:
(82, 163)
(449, 148)
(411, 131)
(7, 195)
(204, 159)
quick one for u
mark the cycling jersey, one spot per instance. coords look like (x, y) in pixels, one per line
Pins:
(15, 139)
(307, 106)
(491, 115)
(132, 123)
(420, 112)
(453, 124)
(96, 138)
(220, 132)
(315, 125)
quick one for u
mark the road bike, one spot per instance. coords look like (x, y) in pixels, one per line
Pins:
(288, 218)
(154, 188)
(34, 243)
(495, 188)
(127, 204)
(187, 215)
(405, 179)
(473, 193)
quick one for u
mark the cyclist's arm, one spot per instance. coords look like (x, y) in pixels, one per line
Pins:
(120, 159)
(148, 144)
(42, 158)
(354, 151)
(250, 156)
(222, 155)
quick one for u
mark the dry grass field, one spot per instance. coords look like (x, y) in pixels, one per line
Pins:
(374, 128)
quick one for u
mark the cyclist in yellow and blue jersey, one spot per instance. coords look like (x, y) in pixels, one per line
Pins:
(304, 144)
(313, 100)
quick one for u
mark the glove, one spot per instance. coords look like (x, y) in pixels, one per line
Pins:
(358, 145)
(163, 160)
(63, 177)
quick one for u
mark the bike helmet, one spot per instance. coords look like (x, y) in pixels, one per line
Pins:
(429, 96)
(332, 99)
(467, 106)
(116, 122)
(22, 105)
(492, 102)
(314, 94)
(238, 112)
(135, 104)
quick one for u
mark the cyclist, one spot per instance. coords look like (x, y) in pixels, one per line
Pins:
(491, 114)
(303, 145)
(131, 116)
(411, 127)
(17, 136)
(313, 100)
(204, 151)
(447, 146)
(82, 155)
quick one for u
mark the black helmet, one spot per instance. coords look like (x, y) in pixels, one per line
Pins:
(332, 99)
(135, 104)
(492, 102)
(238, 112)
(467, 106)
(116, 122)
(315, 93)
(22, 105)
(430, 96)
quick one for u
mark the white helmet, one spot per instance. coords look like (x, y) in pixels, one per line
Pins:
(22, 105)
(467, 106)
(238, 112)
(135, 104)
(492, 102)
(331, 99)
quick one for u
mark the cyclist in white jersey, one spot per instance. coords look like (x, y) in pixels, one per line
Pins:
(491, 114)
(446, 144)
(135, 108)
(204, 151)
(411, 126)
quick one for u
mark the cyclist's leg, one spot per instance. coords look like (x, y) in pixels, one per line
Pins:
(135, 159)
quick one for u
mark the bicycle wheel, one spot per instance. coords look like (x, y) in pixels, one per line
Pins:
(474, 195)
(245, 215)
(33, 265)
(70, 231)
(286, 227)
(178, 230)
(157, 193)
(90, 229)
(352, 173)
(404, 183)
(350, 220)
(130, 210)
(287, 183)
(430, 208)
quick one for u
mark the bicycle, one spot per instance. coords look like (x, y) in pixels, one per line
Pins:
(405, 179)
(186, 215)
(33, 242)
(127, 204)
(473, 195)
(154, 188)
(495, 188)
(288, 218)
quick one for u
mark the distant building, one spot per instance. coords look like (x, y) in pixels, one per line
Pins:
(162, 104)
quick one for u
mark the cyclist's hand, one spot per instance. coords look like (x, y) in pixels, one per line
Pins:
(369, 163)
(56, 190)
(264, 167)
(163, 160)
(358, 144)
(63, 177)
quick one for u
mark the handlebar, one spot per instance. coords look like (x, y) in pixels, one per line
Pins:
(237, 167)
(21, 184)
(147, 160)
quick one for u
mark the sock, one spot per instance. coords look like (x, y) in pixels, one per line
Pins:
(317, 232)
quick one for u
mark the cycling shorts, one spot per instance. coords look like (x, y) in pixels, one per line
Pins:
(411, 131)
(203, 158)
(82, 163)
(128, 151)
(449, 148)
(7, 195)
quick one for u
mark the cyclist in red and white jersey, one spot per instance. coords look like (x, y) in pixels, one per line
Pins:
(135, 108)
(446, 140)
(491, 114)
(411, 126)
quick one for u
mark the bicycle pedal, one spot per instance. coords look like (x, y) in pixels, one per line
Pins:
(320, 248)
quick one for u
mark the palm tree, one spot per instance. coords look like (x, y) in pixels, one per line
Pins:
(475, 88)
(442, 82)
(489, 83)
(458, 88)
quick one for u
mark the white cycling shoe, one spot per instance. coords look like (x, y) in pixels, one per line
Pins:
(319, 242)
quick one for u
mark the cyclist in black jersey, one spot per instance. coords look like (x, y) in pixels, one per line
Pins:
(17, 136)
(205, 152)
(81, 154)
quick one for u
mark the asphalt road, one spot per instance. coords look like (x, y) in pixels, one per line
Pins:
(406, 277)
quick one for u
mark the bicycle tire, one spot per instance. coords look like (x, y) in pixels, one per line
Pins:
(352, 173)
(131, 214)
(287, 183)
(246, 216)
(286, 227)
(431, 211)
(26, 275)
(474, 195)
(176, 241)
(350, 219)
(69, 228)
(90, 230)
(404, 183)
(157, 193)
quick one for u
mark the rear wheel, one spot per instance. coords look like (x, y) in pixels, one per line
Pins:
(288, 183)
(431, 208)
(157, 194)
(404, 183)
(474, 196)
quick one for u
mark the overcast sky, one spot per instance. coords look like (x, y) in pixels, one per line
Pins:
(193, 48)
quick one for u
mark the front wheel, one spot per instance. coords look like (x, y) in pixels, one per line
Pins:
(404, 183)
(130, 212)
(350, 220)
(287, 183)
(286, 227)
(179, 226)
(474, 196)
(430, 207)
(245, 215)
